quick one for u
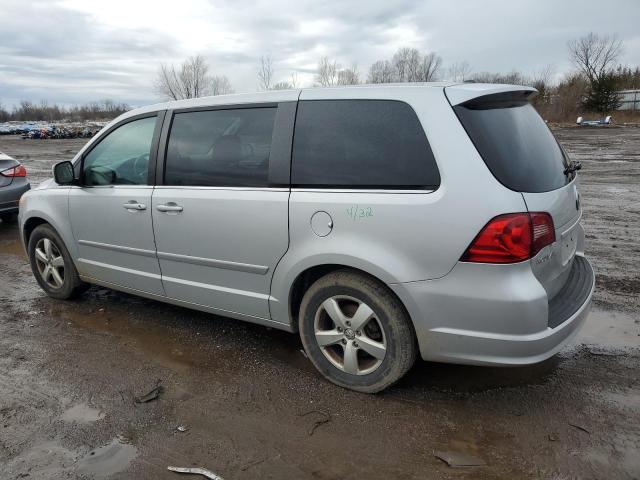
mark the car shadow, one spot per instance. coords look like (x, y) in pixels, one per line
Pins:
(473, 379)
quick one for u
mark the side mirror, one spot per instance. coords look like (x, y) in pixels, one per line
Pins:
(63, 173)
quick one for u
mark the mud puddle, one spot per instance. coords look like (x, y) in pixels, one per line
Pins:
(108, 459)
(610, 330)
(155, 342)
(183, 340)
(82, 413)
(11, 246)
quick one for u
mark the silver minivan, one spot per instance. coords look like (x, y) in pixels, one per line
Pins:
(379, 222)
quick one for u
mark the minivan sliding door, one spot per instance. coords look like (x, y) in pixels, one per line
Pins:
(221, 216)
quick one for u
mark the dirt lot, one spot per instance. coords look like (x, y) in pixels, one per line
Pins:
(253, 406)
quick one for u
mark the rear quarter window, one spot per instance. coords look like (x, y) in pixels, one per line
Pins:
(361, 144)
(514, 142)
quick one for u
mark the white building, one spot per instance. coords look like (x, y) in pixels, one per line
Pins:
(630, 100)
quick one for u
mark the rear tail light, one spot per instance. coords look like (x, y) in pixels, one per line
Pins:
(511, 238)
(544, 233)
(17, 171)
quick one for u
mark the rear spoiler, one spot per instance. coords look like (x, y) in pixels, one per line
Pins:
(465, 92)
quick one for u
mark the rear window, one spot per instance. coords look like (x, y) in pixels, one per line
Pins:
(514, 142)
(361, 144)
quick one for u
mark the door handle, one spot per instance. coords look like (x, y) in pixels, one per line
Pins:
(169, 207)
(133, 205)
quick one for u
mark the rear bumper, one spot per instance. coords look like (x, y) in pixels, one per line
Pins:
(495, 315)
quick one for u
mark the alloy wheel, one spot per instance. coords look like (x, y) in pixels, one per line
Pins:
(50, 263)
(350, 335)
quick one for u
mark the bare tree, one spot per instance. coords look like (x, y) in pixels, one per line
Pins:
(406, 62)
(594, 55)
(541, 81)
(429, 68)
(327, 72)
(220, 85)
(284, 85)
(294, 80)
(459, 71)
(168, 83)
(287, 85)
(381, 72)
(511, 78)
(265, 73)
(570, 92)
(406, 65)
(331, 73)
(191, 80)
(411, 66)
(542, 76)
(194, 77)
(349, 76)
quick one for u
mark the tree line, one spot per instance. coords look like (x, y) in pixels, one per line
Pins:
(43, 111)
(590, 87)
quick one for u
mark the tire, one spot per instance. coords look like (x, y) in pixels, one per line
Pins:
(58, 257)
(9, 217)
(343, 293)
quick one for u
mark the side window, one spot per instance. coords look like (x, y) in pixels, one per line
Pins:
(361, 144)
(220, 148)
(122, 157)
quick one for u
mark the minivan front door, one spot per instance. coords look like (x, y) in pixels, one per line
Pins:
(110, 211)
(221, 225)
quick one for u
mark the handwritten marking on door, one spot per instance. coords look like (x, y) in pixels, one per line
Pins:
(356, 212)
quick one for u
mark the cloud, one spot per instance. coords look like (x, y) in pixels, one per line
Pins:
(76, 50)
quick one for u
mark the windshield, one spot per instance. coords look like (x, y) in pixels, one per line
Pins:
(515, 143)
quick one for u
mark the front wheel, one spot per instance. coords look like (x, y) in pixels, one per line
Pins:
(52, 265)
(356, 332)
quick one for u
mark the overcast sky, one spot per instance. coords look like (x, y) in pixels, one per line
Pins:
(74, 51)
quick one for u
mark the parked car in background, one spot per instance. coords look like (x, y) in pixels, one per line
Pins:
(379, 222)
(13, 183)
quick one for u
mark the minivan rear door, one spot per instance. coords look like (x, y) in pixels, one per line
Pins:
(523, 155)
(552, 267)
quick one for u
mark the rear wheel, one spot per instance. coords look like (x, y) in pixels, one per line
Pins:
(356, 332)
(52, 265)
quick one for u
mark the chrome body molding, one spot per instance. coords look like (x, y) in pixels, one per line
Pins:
(211, 262)
(118, 248)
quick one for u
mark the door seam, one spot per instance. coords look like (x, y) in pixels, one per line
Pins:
(153, 191)
(275, 268)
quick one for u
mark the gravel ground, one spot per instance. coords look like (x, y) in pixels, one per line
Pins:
(252, 406)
